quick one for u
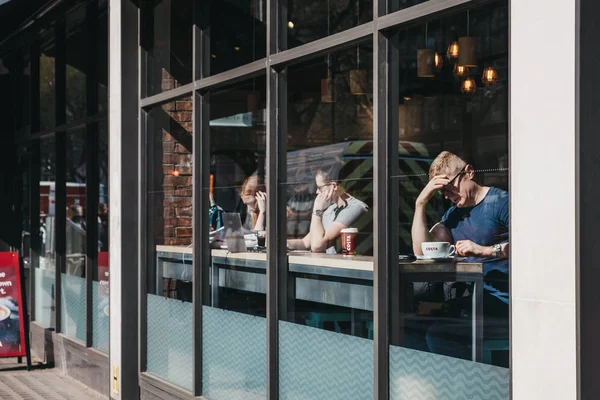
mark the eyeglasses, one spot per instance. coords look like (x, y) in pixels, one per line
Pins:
(450, 183)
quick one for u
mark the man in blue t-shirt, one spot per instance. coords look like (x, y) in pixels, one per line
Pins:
(478, 225)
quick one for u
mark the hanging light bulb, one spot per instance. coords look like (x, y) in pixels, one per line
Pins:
(453, 51)
(460, 71)
(438, 61)
(490, 76)
(468, 86)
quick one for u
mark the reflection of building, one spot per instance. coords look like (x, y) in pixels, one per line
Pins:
(207, 94)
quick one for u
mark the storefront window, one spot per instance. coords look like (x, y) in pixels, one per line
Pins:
(167, 39)
(168, 242)
(47, 87)
(315, 19)
(449, 308)
(327, 330)
(46, 266)
(234, 319)
(230, 48)
(100, 284)
(73, 275)
(76, 65)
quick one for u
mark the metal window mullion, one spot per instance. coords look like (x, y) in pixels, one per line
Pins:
(92, 174)
(200, 178)
(60, 217)
(384, 200)
(143, 218)
(34, 171)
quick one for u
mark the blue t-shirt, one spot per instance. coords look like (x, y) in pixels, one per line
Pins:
(485, 224)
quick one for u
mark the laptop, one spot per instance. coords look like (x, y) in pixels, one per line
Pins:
(234, 234)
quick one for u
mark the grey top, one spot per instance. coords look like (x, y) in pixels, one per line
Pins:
(347, 215)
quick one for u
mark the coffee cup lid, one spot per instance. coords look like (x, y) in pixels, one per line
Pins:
(349, 230)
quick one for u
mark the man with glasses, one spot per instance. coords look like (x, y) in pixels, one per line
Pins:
(333, 210)
(478, 224)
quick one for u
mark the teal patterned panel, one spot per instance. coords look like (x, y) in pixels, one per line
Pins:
(418, 375)
(170, 348)
(235, 355)
(100, 313)
(44, 297)
(318, 364)
(72, 317)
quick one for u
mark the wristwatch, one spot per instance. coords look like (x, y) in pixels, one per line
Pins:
(497, 249)
(318, 213)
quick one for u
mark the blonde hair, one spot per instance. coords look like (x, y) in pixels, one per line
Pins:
(446, 162)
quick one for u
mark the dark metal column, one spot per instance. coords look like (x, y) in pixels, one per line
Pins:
(588, 157)
(125, 210)
(92, 169)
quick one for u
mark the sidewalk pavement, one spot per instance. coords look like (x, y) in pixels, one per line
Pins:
(40, 383)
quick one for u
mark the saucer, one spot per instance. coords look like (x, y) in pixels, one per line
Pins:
(449, 258)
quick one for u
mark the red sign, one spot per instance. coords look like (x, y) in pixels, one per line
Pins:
(12, 329)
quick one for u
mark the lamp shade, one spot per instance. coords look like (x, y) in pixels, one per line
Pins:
(468, 51)
(358, 81)
(327, 90)
(426, 63)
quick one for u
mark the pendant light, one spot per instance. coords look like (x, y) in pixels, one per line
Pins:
(460, 71)
(426, 60)
(327, 83)
(468, 86)
(438, 61)
(452, 51)
(468, 48)
(489, 76)
(358, 77)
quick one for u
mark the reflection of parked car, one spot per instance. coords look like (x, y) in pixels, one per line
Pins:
(356, 176)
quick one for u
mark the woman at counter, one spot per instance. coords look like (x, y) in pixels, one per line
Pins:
(254, 198)
(333, 210)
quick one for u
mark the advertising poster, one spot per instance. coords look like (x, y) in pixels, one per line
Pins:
(12, 332)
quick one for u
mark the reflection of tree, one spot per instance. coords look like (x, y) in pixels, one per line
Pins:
(47, 92)
(76, 95)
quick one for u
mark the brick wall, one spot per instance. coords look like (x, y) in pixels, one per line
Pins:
(177, 156)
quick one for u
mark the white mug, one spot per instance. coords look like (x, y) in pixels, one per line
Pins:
(437, 249)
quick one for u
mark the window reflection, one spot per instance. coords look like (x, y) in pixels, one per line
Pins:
(453, 205)
(167, 38)
(315, 19)
(237, 239)
(47, 87)
(329, 186)
(76, 66)
(230, 48)
(168, 241)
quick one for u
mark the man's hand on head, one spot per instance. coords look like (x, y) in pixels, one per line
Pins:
(436, 183)
(467, 248)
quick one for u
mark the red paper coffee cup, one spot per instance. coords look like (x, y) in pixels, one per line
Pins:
(349, 241)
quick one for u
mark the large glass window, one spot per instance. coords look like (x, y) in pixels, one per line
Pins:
(233, 320)
(326, 331)
(402, 4)
(168, 242)
(46, 266)
(47, 84)
(230, 48)
(76, 65)
(73, 274)
(449, 308)
(167, 38)
(315, 19)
